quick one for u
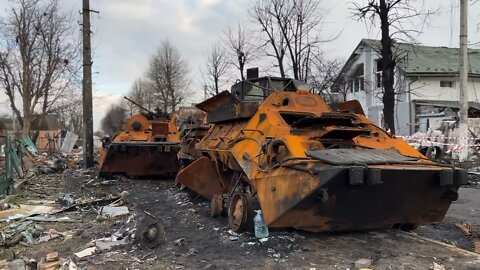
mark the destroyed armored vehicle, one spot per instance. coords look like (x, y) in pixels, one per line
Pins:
(193, 128)
(277, 147)
(148, 147)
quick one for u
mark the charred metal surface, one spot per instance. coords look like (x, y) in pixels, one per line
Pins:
(141, 159)
(351, 106)
(310, 167)
(355, 200)
(146, 148)
(190, 138)
(225, 106)
(201, 177)
(359, 156)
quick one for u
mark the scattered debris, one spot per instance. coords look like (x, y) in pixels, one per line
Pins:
(85, 253)
(191, 252)
(17, 264)
(109, 211)
(437, 266)
(100, 201)
(363, 263)
(50, 262)
(13, 214)
(70, 265)
(153, 234)
(27, 143)
(47, 238)
(68, 142)
(51, 219)
(179, 241)
(66, 200)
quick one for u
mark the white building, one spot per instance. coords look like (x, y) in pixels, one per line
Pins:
(426, 83)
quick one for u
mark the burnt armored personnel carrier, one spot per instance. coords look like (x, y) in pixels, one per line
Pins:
(277, 147)
(148, 147)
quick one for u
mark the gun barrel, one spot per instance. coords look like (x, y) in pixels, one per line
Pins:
(138, 105)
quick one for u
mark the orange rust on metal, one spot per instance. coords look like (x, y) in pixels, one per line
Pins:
(473, 234)
(311, 167)
(202, 178)
(351, 106)
(145, 148)
(216, 205)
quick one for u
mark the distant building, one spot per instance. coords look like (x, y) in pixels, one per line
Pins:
(426, 82)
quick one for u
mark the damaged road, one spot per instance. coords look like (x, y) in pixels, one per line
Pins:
(110, 225)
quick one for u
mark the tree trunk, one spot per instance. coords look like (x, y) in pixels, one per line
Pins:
(43, 116)
(27, 118)
(388, 70)
(165, 106)
(280, 67)
(241, 65)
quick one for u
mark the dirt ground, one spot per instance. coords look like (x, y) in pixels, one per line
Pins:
(194, 240)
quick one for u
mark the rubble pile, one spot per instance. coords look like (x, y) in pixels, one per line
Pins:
(450, 144)
(55, 163)
(43, 217)
(474, 177)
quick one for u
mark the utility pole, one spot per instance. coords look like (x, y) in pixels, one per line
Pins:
(88, 160)
(463, 127)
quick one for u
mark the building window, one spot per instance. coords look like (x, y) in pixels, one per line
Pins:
(449, 84)
(358, 79)
(378, 72)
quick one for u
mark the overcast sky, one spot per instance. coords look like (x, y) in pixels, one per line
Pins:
(127, 32)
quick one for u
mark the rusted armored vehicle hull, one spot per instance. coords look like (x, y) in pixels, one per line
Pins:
(147, 148)
(308, 166)
(141, 159)
(335, 198)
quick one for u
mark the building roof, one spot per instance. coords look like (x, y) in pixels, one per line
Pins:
(446, 103)
(428, 60)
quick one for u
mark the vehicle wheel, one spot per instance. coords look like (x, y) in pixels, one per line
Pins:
(238, 212)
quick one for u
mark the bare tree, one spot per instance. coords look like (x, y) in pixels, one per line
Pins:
(216, 65)
(292, 28)
(142, 92)
(323, 74)
(114, 120)
(168, 73)
(241, 47)
(395, 17)
(70, 115)
(342, 85)
(38, 57)
(273, 38)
